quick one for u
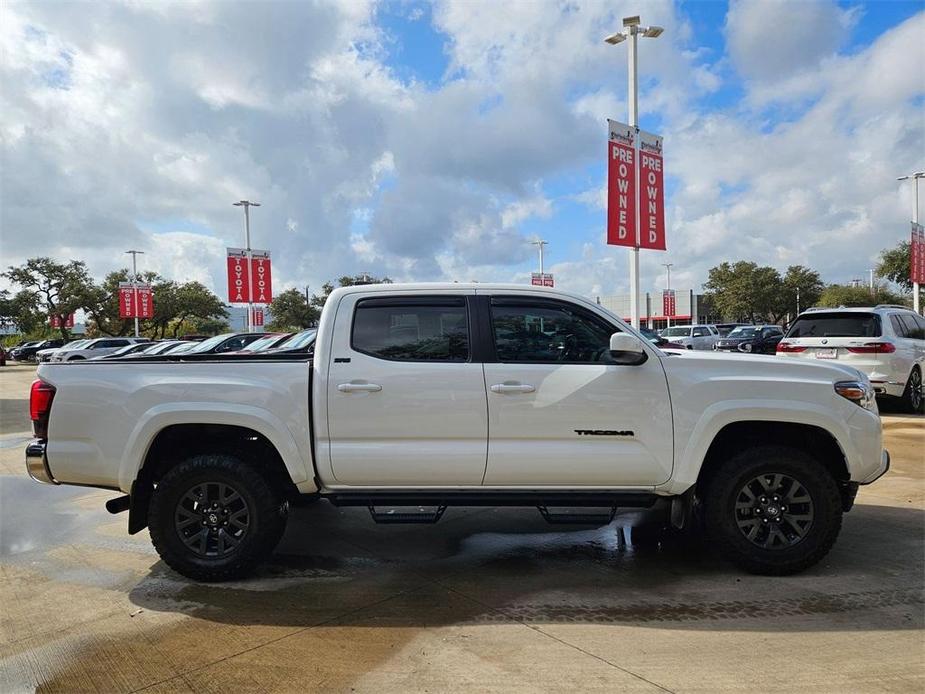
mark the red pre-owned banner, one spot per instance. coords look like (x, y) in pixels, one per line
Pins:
(651, 192)
(144, 302)
(917, 254)
(238, 277)
(126, 300)
(261, 280)
(668, 303)
(257, 321)
(55, 321)
(621, 185)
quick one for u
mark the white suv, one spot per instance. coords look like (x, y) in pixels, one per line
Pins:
(886, 342)
(95, 348)
(692, 336)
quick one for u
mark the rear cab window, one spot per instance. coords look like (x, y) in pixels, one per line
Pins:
(433, 329)
(836, 324)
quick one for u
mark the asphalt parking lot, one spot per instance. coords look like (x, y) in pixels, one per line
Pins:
(485, 600)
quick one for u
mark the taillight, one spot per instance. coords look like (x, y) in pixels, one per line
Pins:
(873, 348)
(40, 399)
(789, 347)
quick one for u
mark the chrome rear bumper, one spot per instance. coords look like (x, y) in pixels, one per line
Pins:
(37, 462)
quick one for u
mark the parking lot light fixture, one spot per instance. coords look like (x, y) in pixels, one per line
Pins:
(247, 204)
(632, 28)
(915, 220)
(135, 255)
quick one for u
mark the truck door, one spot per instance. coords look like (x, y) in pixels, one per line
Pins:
(406, 403)
(560, 411)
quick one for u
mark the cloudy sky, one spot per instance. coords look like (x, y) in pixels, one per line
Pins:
(433, 141)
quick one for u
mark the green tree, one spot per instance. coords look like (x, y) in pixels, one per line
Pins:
(895, 265)
(194, 303)
(22, 312)
(846, 295)
(745, 291)
(802, 281)
(291, 311)
(318, 300)
(59, 289)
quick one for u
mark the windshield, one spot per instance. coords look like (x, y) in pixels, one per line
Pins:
(75, 344)
(263, 343)
(212, 342)
(299, 340)
(746, 331)
(181, 348)
(650, 335)
(676, 332)
(844, 324)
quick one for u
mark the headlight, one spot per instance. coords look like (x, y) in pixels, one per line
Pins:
(858, 392)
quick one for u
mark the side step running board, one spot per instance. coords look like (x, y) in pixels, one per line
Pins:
(386, 517)
(577, 518)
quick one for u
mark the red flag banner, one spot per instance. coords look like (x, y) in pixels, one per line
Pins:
(55, 321)
(238, 277)
(257, 318)
(668, 303)
(917, 254)
(126, 300)
(144, 301)
(621, 185)
(260, 277)
(651, 192)
(536, 279)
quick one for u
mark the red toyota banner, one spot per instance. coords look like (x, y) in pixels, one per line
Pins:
(261, 280)
(126, 300)
(257, 318)
(651, 192)
(668, 303)
(238, 277)
(144, 301)
(621, 185)
(917, 254)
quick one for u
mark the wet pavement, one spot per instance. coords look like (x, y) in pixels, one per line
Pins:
(485, 600)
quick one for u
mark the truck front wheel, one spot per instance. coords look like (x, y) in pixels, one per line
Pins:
(213, 517)
(772, 510)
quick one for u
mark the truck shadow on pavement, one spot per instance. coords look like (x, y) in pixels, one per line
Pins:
(334, 567)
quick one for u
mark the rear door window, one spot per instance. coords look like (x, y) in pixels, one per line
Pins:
(413, 329)
(915, 326)
(847, 324)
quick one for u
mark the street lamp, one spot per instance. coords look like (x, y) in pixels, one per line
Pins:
(135, 255)
(247, 204)
(631, 30)
(915, 220)
(540, 243)
(667, 267)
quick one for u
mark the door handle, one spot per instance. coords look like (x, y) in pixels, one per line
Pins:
(359, 388)
(512, 388)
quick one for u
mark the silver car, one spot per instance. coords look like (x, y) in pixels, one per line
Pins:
(95, 348)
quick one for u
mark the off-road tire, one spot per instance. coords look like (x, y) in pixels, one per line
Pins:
(914, 402)
(720, 515)
(267, 512)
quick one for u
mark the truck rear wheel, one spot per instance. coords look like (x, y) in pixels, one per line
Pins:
(772, 510)
(213, 518)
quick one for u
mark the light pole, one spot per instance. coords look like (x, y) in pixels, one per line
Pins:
(247, 204)
(915, 219)
(540, 243)
(667, 267)
(135, 255)
(631, 30)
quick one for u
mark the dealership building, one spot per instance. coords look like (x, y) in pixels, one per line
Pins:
(689, 308)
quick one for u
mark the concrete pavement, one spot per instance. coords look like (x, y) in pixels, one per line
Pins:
(486, 600)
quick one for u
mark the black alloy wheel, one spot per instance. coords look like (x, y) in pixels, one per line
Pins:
(212, 519)
(774, 511)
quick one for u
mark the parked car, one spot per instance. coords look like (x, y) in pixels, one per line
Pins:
(886, 342)
(463, 394)
(45, 354)
(160, 348)
(228, 342)
(726, 328)
(301, 342)
(14, 351)
(27, 353)
(2, 356)
(658, 340)
(692, 336)
(127, 350)
(758, 339)
(266, 343)
(181, 348)
(94, 348)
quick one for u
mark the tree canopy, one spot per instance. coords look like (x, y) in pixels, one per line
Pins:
(745, 291)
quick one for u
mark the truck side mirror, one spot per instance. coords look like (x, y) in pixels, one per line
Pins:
(626, 349)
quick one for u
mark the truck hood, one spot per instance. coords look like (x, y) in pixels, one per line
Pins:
(763, 367)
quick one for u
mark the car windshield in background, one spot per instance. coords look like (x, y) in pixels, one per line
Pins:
(851, 324)
(180, 348)
(650, 335)
(299, 340)
(206, 345)
(743, 332)
(676, 332)
(263, 343)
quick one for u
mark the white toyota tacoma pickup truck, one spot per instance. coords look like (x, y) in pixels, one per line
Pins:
(425, 396)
